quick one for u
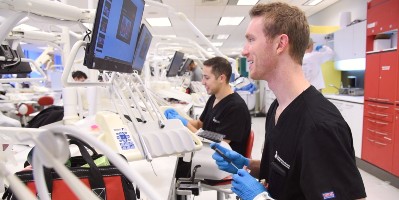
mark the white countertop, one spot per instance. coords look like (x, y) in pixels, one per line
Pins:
(354, 99)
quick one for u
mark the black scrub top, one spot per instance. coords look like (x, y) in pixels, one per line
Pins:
(309, 153)
(229, 117)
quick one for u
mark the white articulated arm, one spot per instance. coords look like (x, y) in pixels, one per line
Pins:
(54, 9)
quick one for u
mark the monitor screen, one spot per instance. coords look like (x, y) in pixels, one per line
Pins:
(184, 69)
(175, 65)
(143, 44)
(114, 38)
(22, 69)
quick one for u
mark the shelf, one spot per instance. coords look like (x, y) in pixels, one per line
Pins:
(384, 50)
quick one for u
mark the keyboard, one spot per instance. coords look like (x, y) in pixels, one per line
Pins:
(212, 136)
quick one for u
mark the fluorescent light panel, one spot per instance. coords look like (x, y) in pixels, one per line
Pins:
(217, 44)
(312, 2)
(232, 21)
(222, 36)
(247, 2)
(161, 21)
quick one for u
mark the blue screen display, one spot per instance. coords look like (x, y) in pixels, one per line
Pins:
(118, 24)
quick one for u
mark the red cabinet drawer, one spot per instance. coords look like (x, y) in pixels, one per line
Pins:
(395, 162)
(376, 149)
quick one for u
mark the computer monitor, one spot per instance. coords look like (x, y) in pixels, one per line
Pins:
(22, 69)
(143, 44)
(184, 69)
(175, 65)
(115, 30)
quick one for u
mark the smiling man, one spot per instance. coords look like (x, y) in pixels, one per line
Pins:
(308, 151)
(225, 111)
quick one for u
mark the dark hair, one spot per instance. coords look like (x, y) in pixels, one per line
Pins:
(79, 74)
(281, 18)
(219, 66)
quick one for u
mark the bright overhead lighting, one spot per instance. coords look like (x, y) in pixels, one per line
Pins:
(247, 2)
(225, 21)
(312, 2)
(162, 21)
(222, 36)
(217, 44)
(25, 27)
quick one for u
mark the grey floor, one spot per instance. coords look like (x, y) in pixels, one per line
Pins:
(376, 189)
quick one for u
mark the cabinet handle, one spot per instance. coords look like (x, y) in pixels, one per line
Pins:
(372, 98)
(378, 122)
(380, 115)
(384, 100)
(373, 131)
(373, 105)
(388, 138)
(380, 143)
(380, 133)
(384, 107)
(371, 120)
(370, 140)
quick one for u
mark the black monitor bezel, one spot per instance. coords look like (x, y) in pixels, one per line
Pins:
(172, 64)
(139, 46)
(92, 62)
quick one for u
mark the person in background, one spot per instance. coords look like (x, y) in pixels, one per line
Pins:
(196, 72)
(311, 64)
(79, 76)
(308, 151)
(225, 111)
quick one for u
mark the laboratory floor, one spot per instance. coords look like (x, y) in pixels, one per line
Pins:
(376, 189)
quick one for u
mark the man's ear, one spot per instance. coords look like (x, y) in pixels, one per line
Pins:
(282, 43)
(222, 77)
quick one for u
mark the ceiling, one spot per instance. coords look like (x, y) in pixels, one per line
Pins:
(205, 15)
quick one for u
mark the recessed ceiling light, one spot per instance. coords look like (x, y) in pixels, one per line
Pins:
(222, 36)
(312, 2)
(234, 21)
(217, 44)
(161, 21)
(247, 2)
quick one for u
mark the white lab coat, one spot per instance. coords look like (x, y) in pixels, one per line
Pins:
(311, 66)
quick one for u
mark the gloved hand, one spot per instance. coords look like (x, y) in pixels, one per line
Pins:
(250, 87)
(318, 47)
(171, 113)
(235, 158)
(245, 186)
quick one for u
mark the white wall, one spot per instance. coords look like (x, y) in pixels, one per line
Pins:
(331, 15)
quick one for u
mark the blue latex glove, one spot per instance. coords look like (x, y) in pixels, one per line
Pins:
(246, 186)
(171, 113)
(250, 87)
(318, 47)
(235, 158)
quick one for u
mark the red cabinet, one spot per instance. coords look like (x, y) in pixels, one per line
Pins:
(380, 141)
(382, 16)
(371, 77)
(380, 77)
(395, 162)
(378, 134)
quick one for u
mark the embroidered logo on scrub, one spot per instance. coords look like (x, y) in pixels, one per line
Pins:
(281, 161)
(328, 195)
(215, 120)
